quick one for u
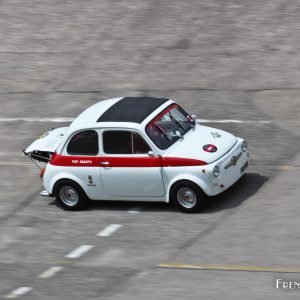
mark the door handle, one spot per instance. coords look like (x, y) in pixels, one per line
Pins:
(105, 163)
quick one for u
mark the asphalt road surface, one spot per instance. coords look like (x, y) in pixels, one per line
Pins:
(233, 61)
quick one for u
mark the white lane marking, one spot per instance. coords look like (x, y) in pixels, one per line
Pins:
(79, 251)
(61, 119)
(109, 257)
(233, 121)
(50, 272)
(15, 163)
(18, 292)
(54, 120)
(109, 230)
(134, 210)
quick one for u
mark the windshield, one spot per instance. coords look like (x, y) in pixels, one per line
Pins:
(169, 126)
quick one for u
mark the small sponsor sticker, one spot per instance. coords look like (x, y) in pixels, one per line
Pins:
(215, 134)
(210, 148)
(90, 180)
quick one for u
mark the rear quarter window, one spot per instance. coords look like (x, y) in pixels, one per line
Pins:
(84, 143)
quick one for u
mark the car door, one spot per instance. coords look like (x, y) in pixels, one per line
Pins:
(127, 169)
(80, 159)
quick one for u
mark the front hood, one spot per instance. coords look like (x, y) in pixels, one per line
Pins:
(194, 143)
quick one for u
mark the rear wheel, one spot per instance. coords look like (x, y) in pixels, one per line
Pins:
(187, 196)
(70, 195)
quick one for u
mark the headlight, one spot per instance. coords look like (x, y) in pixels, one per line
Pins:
(244, 146)
(216, 171)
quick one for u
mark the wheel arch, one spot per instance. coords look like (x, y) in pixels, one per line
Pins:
(198, 181)
(64, 176)
(69, 202)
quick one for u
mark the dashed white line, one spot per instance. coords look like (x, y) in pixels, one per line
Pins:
(109, 230)
(110, 256)
(50, 272)
(54, 120)
(79, 251)
(233, 121)
(18, 292)
(15, 163)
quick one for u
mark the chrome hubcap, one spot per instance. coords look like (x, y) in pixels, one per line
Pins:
(68, 195)
(186, 197)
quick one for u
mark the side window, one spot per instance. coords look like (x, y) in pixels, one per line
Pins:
(124, 142)
(84, 143)
(117, 142)
(139, 144)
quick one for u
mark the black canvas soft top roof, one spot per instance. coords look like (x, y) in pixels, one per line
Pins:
(131, 109)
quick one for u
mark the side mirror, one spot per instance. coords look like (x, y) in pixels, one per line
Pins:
(194, 117)
(177, 133)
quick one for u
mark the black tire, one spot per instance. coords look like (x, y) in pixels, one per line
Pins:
(185, 188)
(67, 189)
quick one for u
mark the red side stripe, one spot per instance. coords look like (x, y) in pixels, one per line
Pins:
(182, 162)
(122, 162)
(75, 161)
(135, 162)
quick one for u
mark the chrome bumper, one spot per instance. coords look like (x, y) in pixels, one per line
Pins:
(45, 194)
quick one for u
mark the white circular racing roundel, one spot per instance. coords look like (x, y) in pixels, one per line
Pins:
(210, 148)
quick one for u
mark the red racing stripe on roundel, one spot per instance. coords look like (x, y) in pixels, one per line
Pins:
(123, 162)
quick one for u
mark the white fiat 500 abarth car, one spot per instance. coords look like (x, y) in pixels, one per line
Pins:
(138, 148)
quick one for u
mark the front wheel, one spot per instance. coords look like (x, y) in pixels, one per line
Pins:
(188, 197)
(70, 195)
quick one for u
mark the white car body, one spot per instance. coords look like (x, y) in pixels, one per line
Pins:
(145, 176)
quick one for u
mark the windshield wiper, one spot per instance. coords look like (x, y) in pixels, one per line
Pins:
(189, 124)
(163, 132)
(176, 121)
(179, 123)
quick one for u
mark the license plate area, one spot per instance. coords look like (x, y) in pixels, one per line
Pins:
(244, 167)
